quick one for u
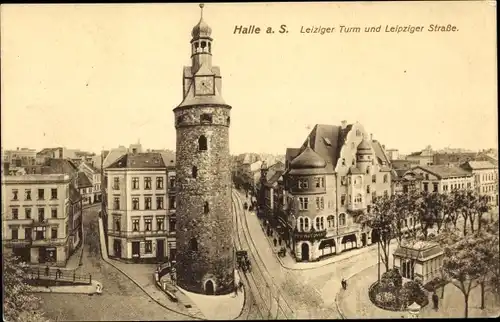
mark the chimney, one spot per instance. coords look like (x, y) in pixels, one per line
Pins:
(17, 149)
(344, 124)
(371, 136)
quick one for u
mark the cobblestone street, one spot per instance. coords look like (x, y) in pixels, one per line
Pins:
(121, 298)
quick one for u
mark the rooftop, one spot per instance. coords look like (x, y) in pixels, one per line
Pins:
(34, 178)
(479, 165)
(445, 171)
(420, 250)
(148, 160)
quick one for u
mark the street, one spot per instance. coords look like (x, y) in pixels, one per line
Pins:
(121, 299)
(307, 294)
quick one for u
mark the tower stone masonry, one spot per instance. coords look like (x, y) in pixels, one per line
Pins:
(204, 229)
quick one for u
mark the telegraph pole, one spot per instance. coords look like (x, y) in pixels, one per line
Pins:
(378, 252)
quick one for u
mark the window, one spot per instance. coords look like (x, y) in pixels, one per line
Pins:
(171, 202)
(358, 198)
(368, 189)
(53, 193)
(15, 234)
(28, 194)
(14, 194)
(40, 233)
(160, 223)
(385, 178)
(367, 170)
(53, 213)
(15, 213)
(28, 234)
(426, 186)
(318, 182)
(41, 194)
(445, 187)
(374, 178)
(202, 143)
(116, 203)
(135, 203)
(342, 200)
(171, 181)
(301, 224)
(27, 212)
(53, 233)
(306, 224)
(147, 203)
(317, 223)
(320, 223)
(118, 224)
(206, 207)
(135, 183)
(148, 246)
(147, 183)
(343, 161)
(303, 203)
(41, 214)
(469, 185)
(228, 120)
(148, 224)
(386, 193)
(358, 133)
(435, 186)
(330, 221)
(135, 224)
(193, 245)
(206, 118)
(171, 224)
(194, 172)
(303, 184)
(116, 183)
(159, 202)
(342, 219)
(426, 176)
(320, 203)
(159, 182)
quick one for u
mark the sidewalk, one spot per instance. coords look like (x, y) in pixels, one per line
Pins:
(355, 303)
(70, 289)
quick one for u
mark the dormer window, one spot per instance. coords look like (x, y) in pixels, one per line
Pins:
(206, 118)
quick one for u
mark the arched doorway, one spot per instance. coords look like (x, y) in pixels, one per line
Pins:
(305, 251)
(209, 287)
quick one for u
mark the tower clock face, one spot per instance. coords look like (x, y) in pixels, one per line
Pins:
(204, 85)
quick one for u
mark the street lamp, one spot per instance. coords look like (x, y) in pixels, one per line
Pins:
(414, 310)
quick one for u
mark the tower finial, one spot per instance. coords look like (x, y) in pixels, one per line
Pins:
(201, 7)
(309, 142)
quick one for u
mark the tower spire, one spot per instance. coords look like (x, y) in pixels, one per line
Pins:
(201, 7)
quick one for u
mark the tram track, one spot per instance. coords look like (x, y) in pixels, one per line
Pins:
(282, 309)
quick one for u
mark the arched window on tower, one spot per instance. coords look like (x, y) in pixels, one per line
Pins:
(193, 245)
(228, 120)
(203, 45)
(206, 207)
(194, 172)
(209, 47)
(202, 143)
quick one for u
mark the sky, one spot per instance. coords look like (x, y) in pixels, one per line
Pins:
(95, 77)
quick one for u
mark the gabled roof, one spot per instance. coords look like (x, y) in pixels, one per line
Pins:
(444, 171)
(113, 155)
(149, 160)
(60, 166)
(168, 158)
(479, 165)
(83, 181)
(91, 167)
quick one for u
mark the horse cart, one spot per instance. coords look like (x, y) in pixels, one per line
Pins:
(243, 261)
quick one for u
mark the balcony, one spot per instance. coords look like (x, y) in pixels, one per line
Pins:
(50, 242)
(139, 234)
(17, 242)
(356, 206)
(309, 235)
(347, 230)
(25, 222)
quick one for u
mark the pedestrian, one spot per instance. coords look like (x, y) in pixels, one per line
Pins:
(47, 270)
(240, 285)
(275, 242)
(343, 283)
(235, 290)
(279, 241)
(59, 273)
(435, 300)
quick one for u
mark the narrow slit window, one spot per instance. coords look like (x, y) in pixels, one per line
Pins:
(193, 245)
(206, 208)
(202, 143)
(194, 172)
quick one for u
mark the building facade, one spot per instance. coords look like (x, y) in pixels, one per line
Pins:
(444, 178)
(452, 158)
(19, 157)
(205, 252)
(485, 179)
(94, 176)
(140, 213)
(424, 157)
(329, 181)
(42, 219)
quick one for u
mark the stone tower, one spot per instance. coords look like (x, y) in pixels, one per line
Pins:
(205, 254)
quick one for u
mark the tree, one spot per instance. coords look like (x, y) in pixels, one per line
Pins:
(381, 219)
(482, 207)
(423, 212)
(19, 303)
(487, 255)
(437, 205)
(462, 268)
(402, 205)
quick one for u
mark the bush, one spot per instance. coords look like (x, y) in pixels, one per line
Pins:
(435, 284)
(386, 298)
(412, 292)
(391, 280)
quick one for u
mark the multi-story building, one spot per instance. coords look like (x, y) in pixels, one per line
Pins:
(140, 208)
(424, 157)
(94, 176)
(271, 188)
(331, 180)
(393, 154)
(485, 178)
(444, 178)
(452, 158)
(42, 219)
(19, 157)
